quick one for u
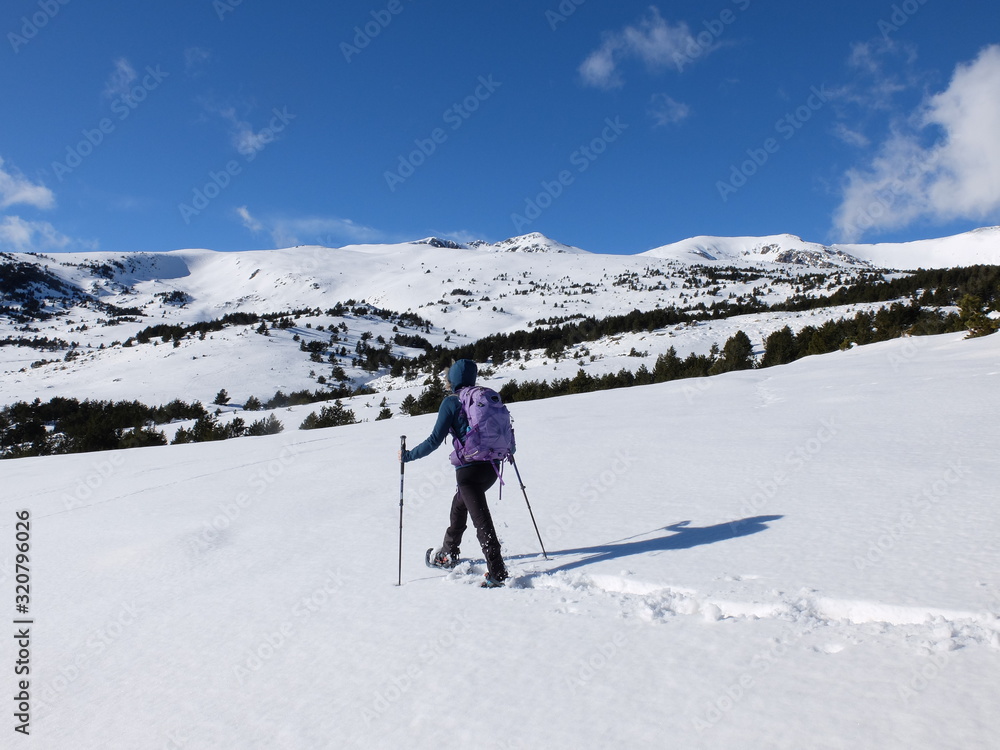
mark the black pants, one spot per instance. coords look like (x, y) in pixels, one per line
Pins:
(470, 500)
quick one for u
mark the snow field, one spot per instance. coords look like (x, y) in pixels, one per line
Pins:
(802, 556)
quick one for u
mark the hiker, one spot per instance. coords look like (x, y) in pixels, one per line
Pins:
(474, 479)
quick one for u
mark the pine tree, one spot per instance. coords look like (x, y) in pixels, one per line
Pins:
(973, 315)
(329, 416)
(270, 426)
(409, 405)
(737, 354)
(431, 397)
(141, 437)
(779, 348)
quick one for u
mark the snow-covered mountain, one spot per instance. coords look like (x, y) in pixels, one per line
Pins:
(784, 248)
(67, 320)
(980, 246)
(797, 556)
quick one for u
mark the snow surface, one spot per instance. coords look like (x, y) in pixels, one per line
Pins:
(980, 246)
(798, 557)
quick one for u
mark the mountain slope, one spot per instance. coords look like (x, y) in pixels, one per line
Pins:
(784, 248)
(834, 585)
(68, 321)
(980, 246)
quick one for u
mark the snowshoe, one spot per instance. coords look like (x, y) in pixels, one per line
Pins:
(489, 582)
(440, 559)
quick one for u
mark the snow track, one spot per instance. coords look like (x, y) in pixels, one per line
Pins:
(929, 627)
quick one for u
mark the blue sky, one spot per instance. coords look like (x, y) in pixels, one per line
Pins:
(616, 127)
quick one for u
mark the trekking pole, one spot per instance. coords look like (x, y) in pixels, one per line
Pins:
(518, 473)
(402, 447)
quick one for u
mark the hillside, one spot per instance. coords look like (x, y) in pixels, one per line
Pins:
(370, 323)
(68, 320)
(803, 556)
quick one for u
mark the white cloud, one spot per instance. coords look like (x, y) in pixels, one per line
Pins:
(885, 69)
(942, 164)
(16, 188)
(245, 139)
(195, 59)
(248, 220)
(320, 230)
(120, 82)
(850, 136)
(652, 40)
(21, 236)
(665, 111)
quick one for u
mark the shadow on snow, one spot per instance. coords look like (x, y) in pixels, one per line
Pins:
(684, 536)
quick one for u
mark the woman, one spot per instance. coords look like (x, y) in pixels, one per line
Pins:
(473, 478)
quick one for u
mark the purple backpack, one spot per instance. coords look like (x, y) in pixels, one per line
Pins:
(490, 436)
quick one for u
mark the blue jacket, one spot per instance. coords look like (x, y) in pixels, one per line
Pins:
(451, 420)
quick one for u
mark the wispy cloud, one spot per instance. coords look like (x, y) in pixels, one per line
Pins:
(288, 231)
(15, 189)
(652, 40)
(120, 81)
(244, 137)
(851, 136)
(666, 111)
(195, 59)
(942, 163)
(22, 236)
(884, 69)
(248, 220)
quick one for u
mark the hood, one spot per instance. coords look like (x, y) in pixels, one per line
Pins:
(462, 373)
